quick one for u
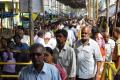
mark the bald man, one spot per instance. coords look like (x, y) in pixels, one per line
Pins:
(88, 57)
(109, 46)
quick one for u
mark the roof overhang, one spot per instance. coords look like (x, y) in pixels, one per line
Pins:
(74, 3)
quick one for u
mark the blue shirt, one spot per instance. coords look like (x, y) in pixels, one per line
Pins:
(22, 46)
(22, 57)
(48, 72)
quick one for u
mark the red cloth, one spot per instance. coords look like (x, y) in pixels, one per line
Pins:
(62, 71)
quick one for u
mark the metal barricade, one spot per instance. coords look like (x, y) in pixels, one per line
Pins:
(109, 71)
(17, 63)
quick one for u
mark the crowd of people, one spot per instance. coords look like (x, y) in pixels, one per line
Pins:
(69, 50)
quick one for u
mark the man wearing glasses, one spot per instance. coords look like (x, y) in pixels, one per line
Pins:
(39, 70)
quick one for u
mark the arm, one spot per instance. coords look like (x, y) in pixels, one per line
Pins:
(98, 73)
(99, 61)
(21, 76)
(118, 54)
(72, 74)
(112, 47)
(118, 67)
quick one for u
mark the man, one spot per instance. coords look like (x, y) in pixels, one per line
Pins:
(71, 36)
(116, 54)
(19, 45)
(49, 39)
(65, 55)
(40, 38)
(24, 38)
(21, 49)
(109, 46)
(39, 70)
(88, 56)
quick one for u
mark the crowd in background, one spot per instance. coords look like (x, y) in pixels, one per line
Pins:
(76, 48)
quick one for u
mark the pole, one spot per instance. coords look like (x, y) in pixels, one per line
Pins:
(114, 24)
(1, 22)
(43, 11)
(96, 10)
(107, 15)
(31, 22)
(13, 15)
(89, 9)
(93, 8)
(1, 25)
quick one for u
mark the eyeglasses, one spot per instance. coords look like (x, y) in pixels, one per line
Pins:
(84, 33)
(35, 54)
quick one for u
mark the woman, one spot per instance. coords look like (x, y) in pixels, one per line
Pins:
(8, 56)
(49, 58)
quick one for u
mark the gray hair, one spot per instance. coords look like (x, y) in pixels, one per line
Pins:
(35, 46)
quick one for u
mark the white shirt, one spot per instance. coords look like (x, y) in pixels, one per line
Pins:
(35, 37)
(87, 57)
(71, 37)
(67, 58)
(40, 41)
(109, 47)
(26, 39)
(51, 43)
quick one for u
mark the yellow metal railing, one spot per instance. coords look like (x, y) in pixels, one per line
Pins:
(109, 71)
(9, 76)
(17, 63)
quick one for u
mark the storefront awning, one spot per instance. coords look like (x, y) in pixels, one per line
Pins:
(74, 3)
